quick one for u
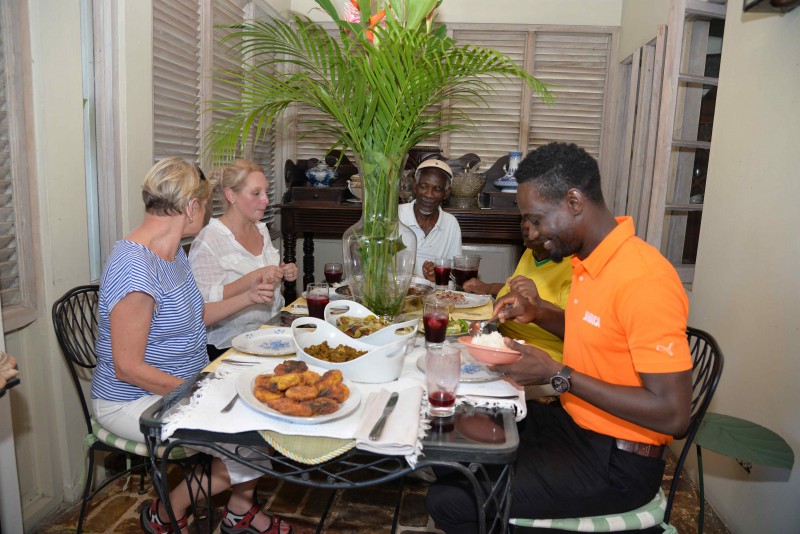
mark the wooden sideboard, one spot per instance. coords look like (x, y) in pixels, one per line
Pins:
(331, 219)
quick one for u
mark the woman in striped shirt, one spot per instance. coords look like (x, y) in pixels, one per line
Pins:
(152, 333)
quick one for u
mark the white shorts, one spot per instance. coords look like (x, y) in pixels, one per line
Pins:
(122, 418)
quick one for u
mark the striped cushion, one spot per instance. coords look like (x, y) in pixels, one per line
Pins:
(99, 433)
(649, 515)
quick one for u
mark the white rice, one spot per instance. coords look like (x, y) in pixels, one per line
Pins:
(493, 340)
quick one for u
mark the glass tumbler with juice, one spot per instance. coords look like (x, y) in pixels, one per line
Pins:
(333, 272)
(465, 268)
(442, 373)
(435, 316)
(317, 297)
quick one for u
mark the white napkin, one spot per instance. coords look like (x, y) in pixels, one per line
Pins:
(401, 433)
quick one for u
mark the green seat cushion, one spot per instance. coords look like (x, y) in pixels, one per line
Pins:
(649, 515)
(99, 433)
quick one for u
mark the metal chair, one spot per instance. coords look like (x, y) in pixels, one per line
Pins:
(707, 363)
(75, 324)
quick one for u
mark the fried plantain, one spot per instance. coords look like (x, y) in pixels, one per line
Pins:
(290, 366)
(330, 378)
(337, 392)
(321, 405)
(302, 393)
(290, 407)
(263, 394)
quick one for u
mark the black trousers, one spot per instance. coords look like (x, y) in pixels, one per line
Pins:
(562, 470)
(214, 352)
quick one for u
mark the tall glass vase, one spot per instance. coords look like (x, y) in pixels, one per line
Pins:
(379, 251)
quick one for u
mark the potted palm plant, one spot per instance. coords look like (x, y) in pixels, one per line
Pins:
(378, 81)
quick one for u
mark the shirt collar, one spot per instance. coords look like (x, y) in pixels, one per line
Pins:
(603, 252)
(413, 217)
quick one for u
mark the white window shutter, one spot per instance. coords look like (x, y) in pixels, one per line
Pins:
(497, 123)
(176, 79)
(575, 64)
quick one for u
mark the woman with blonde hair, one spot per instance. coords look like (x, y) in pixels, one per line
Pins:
(235, 249)
(152, 334)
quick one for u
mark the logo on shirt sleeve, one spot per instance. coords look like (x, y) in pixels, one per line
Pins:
(667, 349)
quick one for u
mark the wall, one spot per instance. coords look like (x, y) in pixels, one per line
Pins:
(580, 12)
(47, 422)
(638, 23)
(745, 289)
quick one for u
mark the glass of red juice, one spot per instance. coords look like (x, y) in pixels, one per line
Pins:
(317, 297)
(442, 373)
(333, 272)
(465, 268)
(435, 316)
(441, 272)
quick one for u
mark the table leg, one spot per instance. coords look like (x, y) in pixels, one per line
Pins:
(308, 259)
(289, 256)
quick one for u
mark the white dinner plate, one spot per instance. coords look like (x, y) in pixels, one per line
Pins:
(471, 300)
(244, 386)
(471, 370)
(266, 342)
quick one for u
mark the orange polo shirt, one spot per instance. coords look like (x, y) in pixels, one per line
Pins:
(626, 315)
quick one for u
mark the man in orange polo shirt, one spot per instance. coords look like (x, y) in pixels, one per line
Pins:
(626, 373)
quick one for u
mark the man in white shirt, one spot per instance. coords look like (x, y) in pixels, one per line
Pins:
(438, 233)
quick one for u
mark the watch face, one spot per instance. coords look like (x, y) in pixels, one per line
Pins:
(560, 384)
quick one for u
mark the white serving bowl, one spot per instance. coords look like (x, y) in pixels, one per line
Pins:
(383, 336)
(380, 363)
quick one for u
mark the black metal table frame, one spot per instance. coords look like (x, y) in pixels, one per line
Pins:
(354, 469)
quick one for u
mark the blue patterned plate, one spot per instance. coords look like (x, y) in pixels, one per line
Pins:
(266, 342)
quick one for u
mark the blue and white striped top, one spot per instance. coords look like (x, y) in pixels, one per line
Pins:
(176, 343)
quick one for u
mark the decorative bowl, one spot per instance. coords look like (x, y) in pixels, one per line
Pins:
(489, 355)
(506, 184)
(379, 364)
(402, 331)
(355, 188)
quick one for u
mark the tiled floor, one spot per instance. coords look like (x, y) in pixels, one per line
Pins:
(353, 512)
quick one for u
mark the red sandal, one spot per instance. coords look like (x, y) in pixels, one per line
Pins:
(240, 524)
(153, 524)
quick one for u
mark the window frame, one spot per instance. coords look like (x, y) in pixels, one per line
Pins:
(16, 56)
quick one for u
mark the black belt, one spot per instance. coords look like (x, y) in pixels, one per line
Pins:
(641, 449)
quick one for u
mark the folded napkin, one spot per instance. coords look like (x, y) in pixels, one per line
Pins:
(401, 433)
(298, 307)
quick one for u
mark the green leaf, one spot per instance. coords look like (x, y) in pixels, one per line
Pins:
(743, 440)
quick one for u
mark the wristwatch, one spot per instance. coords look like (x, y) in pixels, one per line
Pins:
(561, 381)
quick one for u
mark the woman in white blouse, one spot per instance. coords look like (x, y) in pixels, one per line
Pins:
(236, 249)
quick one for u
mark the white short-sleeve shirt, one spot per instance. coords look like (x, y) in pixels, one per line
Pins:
(217, 259)
(443, 241)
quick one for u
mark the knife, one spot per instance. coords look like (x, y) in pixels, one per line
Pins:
(375, 433)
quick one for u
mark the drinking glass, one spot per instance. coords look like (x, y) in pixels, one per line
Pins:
(442, 373)
(317, 297)
(435, 316)
(441, 271)
(333, 272)
(465, 268)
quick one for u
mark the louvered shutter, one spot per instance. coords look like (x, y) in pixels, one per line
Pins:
(224, 13)
(176, 79)
(576, 65)
(10, 293)
(264, 153)
(497, 123)
(17, 283)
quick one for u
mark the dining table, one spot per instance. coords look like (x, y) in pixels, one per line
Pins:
(479, 441)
